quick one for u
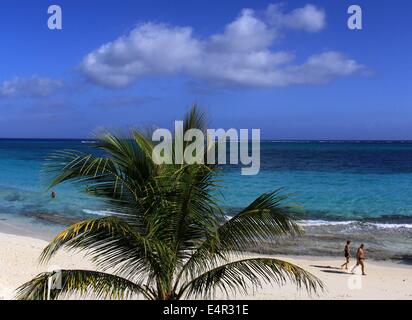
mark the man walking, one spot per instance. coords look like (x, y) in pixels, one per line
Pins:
(360, 256)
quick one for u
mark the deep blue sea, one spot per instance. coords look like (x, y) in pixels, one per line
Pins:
(332, 180)
(344, 188)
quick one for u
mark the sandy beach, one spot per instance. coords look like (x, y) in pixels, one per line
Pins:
(384, 280)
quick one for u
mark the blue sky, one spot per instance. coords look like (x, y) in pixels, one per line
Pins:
(292, 68)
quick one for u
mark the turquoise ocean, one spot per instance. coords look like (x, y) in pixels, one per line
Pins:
(358, 190)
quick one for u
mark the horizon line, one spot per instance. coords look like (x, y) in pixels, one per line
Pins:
(263, 140)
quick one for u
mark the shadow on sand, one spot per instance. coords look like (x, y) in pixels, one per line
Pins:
(325, 267)
(334, 271)
(330, 269)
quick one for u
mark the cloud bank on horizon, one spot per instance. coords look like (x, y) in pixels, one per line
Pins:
(242, 55)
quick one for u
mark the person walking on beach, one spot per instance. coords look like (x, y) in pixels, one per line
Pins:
(346, 252)
(360, 256)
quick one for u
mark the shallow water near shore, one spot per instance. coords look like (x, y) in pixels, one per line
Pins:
(347, 190)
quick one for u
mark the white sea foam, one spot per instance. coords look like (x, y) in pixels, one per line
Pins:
(318, 223)
(302, 223)
(99, 212)
(105, 213)
(391, 225)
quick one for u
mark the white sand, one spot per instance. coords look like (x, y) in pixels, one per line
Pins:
(384, 280)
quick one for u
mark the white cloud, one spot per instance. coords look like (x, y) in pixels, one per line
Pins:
(245, 34)
(34, 86)
(322, 68)
(241, 55)
(148, 49)
(308, 18)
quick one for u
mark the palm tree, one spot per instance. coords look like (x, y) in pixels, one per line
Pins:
(169, 238)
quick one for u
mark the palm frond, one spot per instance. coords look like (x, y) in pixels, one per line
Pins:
(241, 276)
(131, 153)
(264, 220)
(80, 284)
(112, 244)
(195, 119)
(99, 176)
